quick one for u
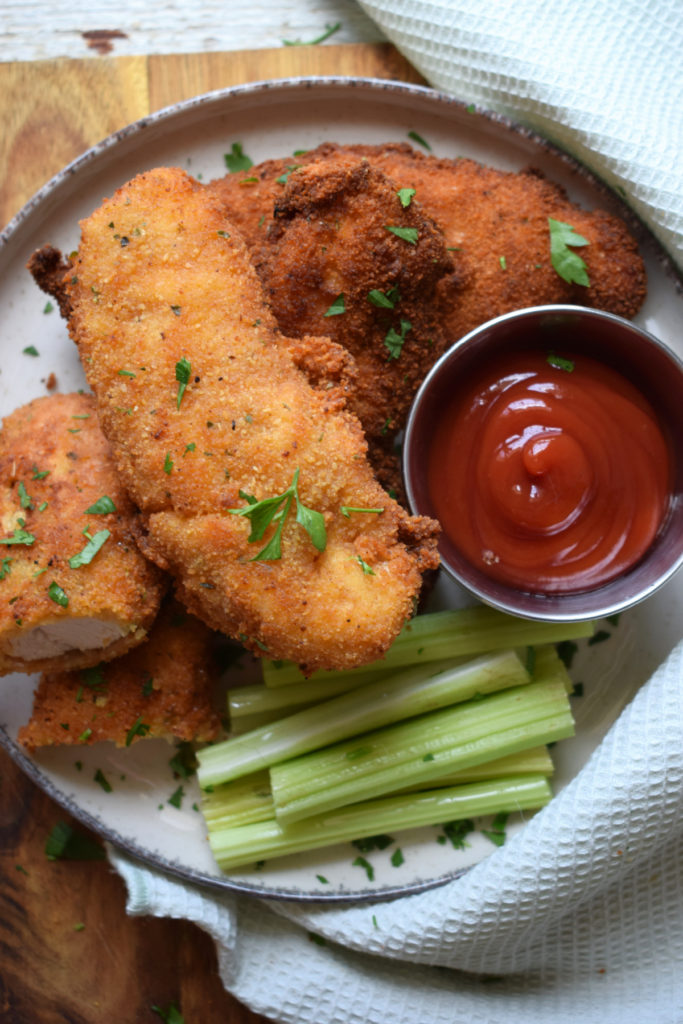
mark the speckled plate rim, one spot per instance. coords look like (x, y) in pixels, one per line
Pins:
(435, 102)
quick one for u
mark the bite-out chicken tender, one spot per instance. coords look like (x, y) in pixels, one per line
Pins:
(208, 414)
(163, 688)
(74, 587)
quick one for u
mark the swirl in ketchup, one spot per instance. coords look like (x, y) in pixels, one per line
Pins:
(550, 474)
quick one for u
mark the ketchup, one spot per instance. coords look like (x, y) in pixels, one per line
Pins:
(552, 475)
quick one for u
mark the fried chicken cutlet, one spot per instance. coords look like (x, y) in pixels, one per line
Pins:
(75, 588)
(224, 444)
(161, 689)
(495, 225)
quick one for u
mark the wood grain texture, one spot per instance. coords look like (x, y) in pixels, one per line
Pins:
(116, 967)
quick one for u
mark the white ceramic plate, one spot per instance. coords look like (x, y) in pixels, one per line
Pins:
(270, 120)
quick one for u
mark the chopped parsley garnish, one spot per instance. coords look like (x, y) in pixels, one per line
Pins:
(346, 510)
(64, 843)
(237, 159)
(103, 506)
(170, 1016)
(407, 234)
(283, 179)
(568, 264)
(275, 510)
(337, 307)
(384, 300)
(367, 569)
(86, 556)
(138, 728)
(497, 831)
(184, 761)
(394, 339)
(48, 307)
(361, 862)
(406, 196)
(176, 798)
(183, 369)
(329, 31)
(20, 536)
(38, 475)
(5, 568)
(102, 780)
(418, 138)
(31, 350)
(56, 594)
(559, 363)
(126, 373)
(168, 464)
(24, 498)
(457, 831)
(397, 857)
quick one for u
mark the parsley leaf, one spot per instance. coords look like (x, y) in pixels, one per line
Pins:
(394, 339)
(183, 368)
(418, 138)
(275, 510)
(56, 594)
(138, 728)
(86, 556)
(337, 307)
(236, 159)
(384, 300)
(559, 363)
(19, 536)
(101, 507)
(407, 234)
(64, 843)
(568, 264)
(406, 196)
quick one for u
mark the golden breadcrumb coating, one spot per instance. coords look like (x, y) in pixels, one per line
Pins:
(55, 464)
(207, 411)
(163, 688)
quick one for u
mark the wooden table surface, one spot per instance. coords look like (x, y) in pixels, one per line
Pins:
(68, 951)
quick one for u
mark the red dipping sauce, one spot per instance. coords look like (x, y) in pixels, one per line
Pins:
(552, 478)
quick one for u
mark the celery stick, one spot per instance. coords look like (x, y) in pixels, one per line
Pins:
(240, 802)
(234, 847)
(257, 698)
(448, 634)
(388, 700)
(535, 761)
(420, 749)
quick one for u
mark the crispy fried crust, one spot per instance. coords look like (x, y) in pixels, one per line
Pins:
(163, 688)
(161, 277)
(55, 464)
(331, 236)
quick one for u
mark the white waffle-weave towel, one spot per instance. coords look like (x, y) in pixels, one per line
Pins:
(580, 917)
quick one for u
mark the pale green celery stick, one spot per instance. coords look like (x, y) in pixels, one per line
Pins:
(536, 761)
(247, 800)
(448, 634)
(235, 847)
(549, 665)
(412, 692)
(257, 698)
(240, 802)
(419, 750)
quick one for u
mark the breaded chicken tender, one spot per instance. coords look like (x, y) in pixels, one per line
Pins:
(350, 256)
(74, 587)
(495, 224)
(164, 688)
(209, 416)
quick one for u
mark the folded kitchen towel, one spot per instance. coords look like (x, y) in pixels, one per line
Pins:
(601, 78)
(580, 916)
